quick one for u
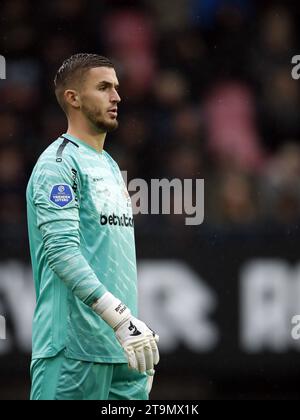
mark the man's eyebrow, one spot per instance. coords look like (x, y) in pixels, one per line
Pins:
(107, 83)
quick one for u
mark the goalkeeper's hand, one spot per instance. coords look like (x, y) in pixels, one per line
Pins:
(138, 341)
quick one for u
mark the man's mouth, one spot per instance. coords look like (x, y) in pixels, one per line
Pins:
(113, 112)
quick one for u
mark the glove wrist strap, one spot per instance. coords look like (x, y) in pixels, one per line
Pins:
(111, 310)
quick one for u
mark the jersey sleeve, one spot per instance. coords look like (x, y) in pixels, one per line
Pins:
(56, 195)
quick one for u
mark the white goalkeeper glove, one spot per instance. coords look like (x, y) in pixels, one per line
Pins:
(138, 341)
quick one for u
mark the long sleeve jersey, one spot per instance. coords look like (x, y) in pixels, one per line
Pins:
(81, 236)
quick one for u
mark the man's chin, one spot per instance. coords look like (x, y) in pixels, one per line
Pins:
(107, 126)
(113, 126)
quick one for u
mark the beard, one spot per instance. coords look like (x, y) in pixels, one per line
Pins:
(98, 120)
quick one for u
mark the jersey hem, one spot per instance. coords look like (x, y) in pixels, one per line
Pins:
(77, 356)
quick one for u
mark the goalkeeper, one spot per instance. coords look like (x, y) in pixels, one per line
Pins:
(87, 340)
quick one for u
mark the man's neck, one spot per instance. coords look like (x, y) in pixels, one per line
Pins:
(95, 140)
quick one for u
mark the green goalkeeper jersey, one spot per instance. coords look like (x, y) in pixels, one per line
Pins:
(82, 244)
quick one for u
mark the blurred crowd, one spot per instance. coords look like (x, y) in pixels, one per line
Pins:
(206, 90)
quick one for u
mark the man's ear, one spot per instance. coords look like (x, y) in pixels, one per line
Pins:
(72, 98)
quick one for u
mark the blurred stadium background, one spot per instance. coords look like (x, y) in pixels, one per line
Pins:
(207, 93)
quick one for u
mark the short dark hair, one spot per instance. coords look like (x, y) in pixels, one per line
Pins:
(73, 69)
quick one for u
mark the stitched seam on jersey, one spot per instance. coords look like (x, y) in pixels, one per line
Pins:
(62, 147)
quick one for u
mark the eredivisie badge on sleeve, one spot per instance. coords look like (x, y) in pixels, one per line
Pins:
(61, 194)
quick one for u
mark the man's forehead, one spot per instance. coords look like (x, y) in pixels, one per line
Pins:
(100, 74)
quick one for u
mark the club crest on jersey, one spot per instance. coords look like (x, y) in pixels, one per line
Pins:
(61, 195)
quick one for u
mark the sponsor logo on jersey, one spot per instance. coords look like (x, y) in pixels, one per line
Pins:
(61, 195)
(114, 220)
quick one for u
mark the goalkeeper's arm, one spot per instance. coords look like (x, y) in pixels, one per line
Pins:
(64, 257)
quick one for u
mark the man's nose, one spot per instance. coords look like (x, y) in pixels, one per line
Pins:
(115, 97)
